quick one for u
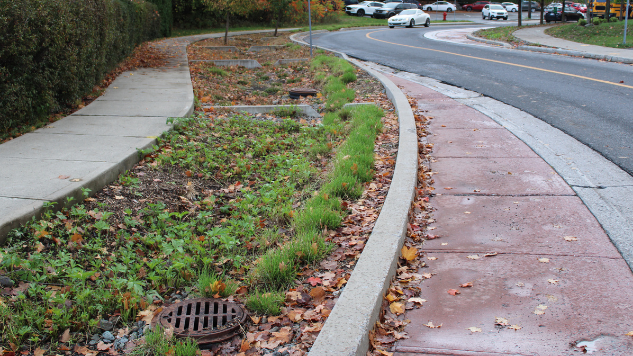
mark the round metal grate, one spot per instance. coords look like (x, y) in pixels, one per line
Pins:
(207, 320)
(296, 93)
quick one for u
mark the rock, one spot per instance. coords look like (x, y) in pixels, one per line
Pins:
(6, 282)
(140, 324)
(107, 336)
(134, 329)
(93, 342)
(264, 320)
(275, 329)
(133, 336)
(106, 325)
(96, 337)
(119, 344)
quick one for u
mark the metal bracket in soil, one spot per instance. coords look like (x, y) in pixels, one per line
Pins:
(207, 320)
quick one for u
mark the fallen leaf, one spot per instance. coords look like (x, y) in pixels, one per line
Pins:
(570, 238)
(63, 177)
(427, 275)
(255, 319)
(431, 258)
(317, 294)
(514, 327)
(39, 352)
(466, 212)
(391, 297)
(314, 281)
(543, 260)
(539, 312)
(454, 292)
(520, 284)
(396, 308)
(101, 346)
(84, 350)
(501, 321)
(430, 325)
(76, 238)
(448, 188)
(466, 285)
(416, 300)
(541, 306)
(490, 254)
(630, 333)
(474, 329)
(553, 281)
(65, 336)
(118, 197)
(473, 257)
(409, 253)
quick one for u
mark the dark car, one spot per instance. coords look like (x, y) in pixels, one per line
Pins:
(351, 2)
(570, 15)
(526, 4)
(414, 2)
(392, 9)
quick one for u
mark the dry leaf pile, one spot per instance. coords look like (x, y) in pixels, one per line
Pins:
(404, 292)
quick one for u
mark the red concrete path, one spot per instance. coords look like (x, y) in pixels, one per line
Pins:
(503, 198)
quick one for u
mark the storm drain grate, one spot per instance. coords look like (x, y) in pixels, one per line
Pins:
(296, 93)
(205, 319)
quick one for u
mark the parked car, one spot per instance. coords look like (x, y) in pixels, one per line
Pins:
(510, 6)
(391, 9)
(364, 8)
(351, 2)
(579, 7)
(440, 6)
(494, 11)
(414, 2)
(525, 5)
(477, 6)
(410, 18)
(570, 15)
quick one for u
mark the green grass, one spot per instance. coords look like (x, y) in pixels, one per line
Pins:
(503, 34)
(606, 34)
(264, 302)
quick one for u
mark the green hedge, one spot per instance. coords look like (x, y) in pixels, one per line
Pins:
(166, 17)
(52, 52)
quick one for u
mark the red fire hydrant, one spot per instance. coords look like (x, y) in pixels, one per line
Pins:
(444, 16)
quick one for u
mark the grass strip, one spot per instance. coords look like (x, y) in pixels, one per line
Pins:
(605, 34)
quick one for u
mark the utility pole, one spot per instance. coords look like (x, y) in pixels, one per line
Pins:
(520, 12)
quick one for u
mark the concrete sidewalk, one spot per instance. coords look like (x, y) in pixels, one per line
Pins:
(556, 276)
(91, 147)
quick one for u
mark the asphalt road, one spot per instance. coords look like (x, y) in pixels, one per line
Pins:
(587, 99)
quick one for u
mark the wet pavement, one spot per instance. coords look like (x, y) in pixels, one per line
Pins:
(546, 279)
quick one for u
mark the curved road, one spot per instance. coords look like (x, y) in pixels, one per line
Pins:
(587, 99)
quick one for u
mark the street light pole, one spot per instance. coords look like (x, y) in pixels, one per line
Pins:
(310, 26)
(626, 20)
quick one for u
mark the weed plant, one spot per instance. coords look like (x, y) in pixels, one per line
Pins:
(265, 302)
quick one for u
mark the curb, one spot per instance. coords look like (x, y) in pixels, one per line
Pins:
(346, 330)
(532, 48)
(483, 40)
(576, 53)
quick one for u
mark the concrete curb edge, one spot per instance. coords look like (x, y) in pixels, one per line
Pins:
(483, 40)
(346, 331)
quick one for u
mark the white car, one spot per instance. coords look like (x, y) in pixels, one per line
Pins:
(440, 6)
(410, 18)
(364, 8)
(494, 11)
(510, 6)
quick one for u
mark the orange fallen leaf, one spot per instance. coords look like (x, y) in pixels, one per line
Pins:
(453, 292)
(396, 308)
(490, 254)
(466, 285)
(317, 293)
(430, 325)
(630, 333)
(570, 238)
(409, 253)
(39, 352)
(543, 260)
(501, 321)
(101, 346)
(474, 329)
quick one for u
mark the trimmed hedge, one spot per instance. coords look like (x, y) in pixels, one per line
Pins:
(52, 52)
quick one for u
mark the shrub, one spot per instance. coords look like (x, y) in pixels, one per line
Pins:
(613, 19)
(52, 52)
(596, 22)
(582, 22)
(166, 17)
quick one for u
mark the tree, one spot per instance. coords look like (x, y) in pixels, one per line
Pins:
(279, 9)
(228, 8)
